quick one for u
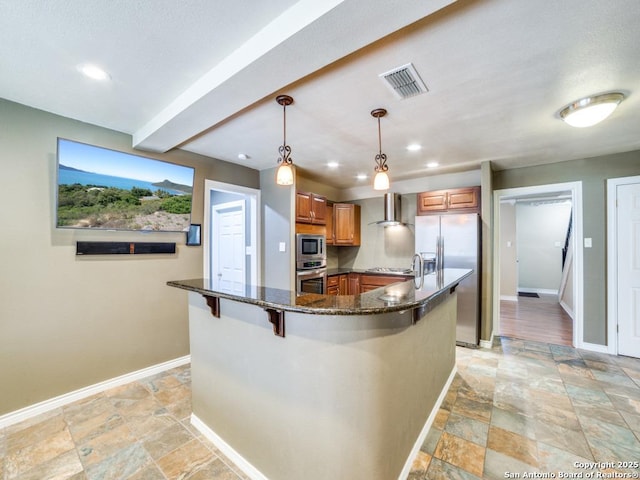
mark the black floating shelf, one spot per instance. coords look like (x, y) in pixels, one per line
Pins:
(124, 248)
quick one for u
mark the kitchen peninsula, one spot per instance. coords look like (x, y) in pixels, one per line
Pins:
(319, 386)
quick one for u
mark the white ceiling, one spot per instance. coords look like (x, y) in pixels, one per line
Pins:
(202, 75)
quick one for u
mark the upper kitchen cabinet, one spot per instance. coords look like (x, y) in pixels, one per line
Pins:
(311, 208)
(458, 200)
(329, 223)
(346, 224)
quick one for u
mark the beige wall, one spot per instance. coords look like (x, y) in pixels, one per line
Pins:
(67, 322)
(593, 173)
(508, 251)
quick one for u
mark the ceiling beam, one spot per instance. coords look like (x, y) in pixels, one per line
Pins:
(301, 41)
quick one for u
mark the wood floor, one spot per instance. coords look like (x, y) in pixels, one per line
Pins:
(538, 319)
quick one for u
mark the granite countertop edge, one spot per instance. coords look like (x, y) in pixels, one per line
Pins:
(368, 303)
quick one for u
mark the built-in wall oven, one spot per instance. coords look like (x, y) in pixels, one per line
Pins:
(311, 263)
(312, 281)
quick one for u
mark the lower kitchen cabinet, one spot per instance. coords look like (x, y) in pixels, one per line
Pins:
(354, 283)
(353, 280)
(344, 284)
(371, 282)
(338, 284)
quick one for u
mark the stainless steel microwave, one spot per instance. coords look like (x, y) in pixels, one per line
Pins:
(310, 251)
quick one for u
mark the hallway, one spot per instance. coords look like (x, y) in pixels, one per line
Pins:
(538, 319)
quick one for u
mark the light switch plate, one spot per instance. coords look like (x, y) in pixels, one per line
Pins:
(282, 247)
(587, 243)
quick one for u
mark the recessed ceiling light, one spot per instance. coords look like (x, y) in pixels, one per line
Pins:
(590, 110)
(333, 164)
(432, 164)
(361, 176)
(243, 156)
(414, 147)
(93, 71)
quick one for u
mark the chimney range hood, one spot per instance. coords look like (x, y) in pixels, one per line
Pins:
(392, 210)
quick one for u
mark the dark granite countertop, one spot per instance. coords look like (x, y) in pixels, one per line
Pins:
(399, 296)
(342, 271)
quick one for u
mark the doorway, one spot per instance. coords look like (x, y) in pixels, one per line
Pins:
(537, 265)
(623, 254)
(231, 236)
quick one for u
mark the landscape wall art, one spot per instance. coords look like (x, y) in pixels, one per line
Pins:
(99, 188)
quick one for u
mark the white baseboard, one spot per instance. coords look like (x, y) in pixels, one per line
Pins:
(425, 429)
(567, 309)
(487, 343)
(64, 399)
(242, 463)
(594, 347)
(509, 298)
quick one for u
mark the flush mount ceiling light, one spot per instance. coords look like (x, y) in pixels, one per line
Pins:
(414, 147)
(284, 175)
(590, 110)
(381, 180)
(93, 71)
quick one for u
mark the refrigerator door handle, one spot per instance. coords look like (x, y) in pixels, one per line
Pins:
(418, 273)
(439, 253)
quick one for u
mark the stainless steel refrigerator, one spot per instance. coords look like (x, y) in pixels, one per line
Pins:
(460, 236)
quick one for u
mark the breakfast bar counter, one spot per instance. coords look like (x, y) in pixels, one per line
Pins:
(346, 388)
(399, 296)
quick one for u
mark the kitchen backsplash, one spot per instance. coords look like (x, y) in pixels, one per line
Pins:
(380, 247)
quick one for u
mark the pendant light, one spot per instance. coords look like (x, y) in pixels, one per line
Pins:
(381, 180)
(284, 175)
(590, 110)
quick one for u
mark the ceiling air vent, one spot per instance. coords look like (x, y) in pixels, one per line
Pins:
(404, 81)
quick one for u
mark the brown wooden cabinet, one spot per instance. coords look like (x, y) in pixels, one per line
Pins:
(371, 282)
(355, 283)
(333, 285)
(346, 224)
(311, 208)
(353, 280)
(459, 200)
(338, 284)
(344, 284)
(329, 223)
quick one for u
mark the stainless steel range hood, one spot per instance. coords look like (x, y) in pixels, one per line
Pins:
(392, 211)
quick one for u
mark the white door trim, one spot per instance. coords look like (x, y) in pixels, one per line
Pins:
(254, 250)
(576, 199)
(612, 264)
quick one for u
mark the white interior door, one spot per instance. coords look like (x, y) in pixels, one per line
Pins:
(628, 265)
(229, 252)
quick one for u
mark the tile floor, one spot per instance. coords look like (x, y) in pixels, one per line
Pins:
(519, 407)
(139, 431)
(534, 407)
